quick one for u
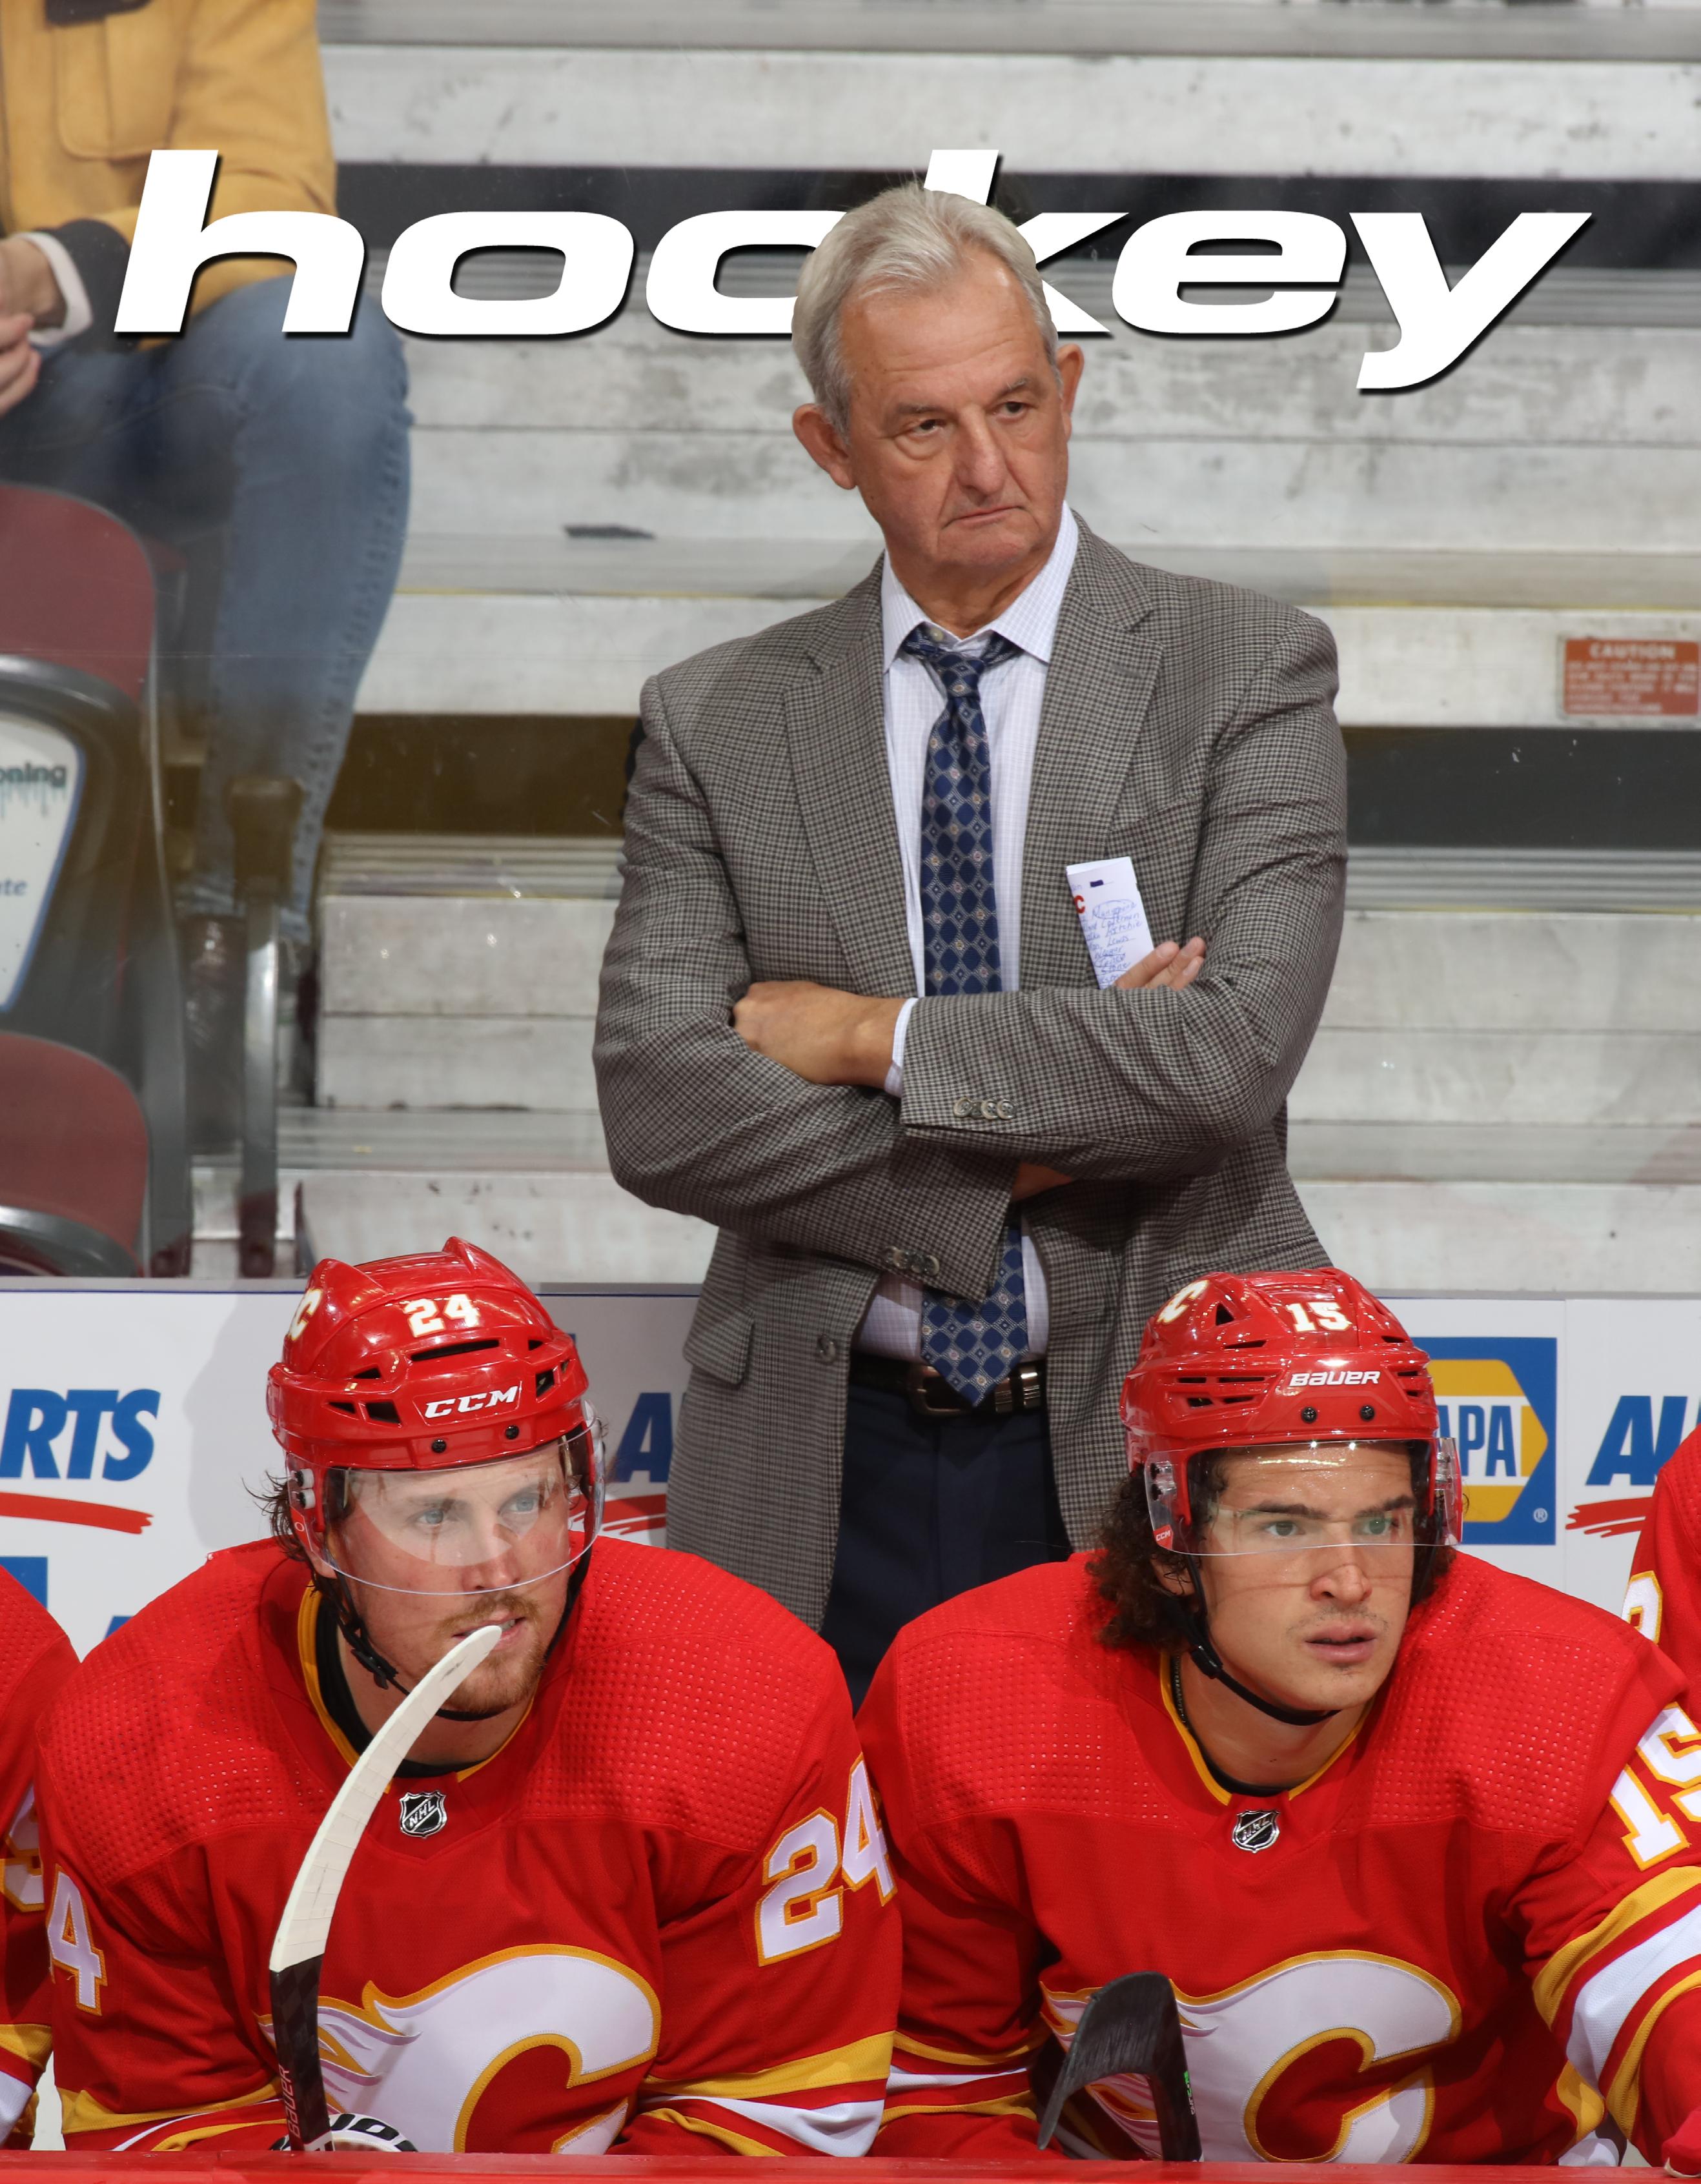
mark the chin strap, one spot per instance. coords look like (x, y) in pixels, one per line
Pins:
(1190, 1615)
(384, 1673)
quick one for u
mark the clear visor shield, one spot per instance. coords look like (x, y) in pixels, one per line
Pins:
(472, 1528)
(1305, 1501)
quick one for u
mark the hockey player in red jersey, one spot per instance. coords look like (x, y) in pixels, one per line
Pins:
(36, 1657)
(1411, 1838)
(629, 1891)
(1663, 1599)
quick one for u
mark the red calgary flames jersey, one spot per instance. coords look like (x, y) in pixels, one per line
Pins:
(659, 1914)
(1485, 1909)
(1663, 1599)
(36, 1657)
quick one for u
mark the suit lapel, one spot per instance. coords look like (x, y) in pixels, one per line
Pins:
(836, 727)
(1098, 688)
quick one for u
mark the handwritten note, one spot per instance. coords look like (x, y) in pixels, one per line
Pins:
(1113, 922)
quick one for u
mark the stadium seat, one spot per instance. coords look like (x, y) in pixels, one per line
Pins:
(72, 1162)
(89, 994)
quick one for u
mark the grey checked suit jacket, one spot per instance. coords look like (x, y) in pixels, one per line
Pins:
(1187, 725)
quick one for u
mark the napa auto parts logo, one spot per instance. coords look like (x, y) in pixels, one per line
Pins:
(104, 1435)
(1497, 1399)
(1641, 1432)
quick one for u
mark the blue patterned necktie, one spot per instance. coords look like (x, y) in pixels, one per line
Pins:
(973, 1346)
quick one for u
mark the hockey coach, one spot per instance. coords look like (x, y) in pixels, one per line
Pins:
(1412, 1839)
(629, 1890)
(848, 1013)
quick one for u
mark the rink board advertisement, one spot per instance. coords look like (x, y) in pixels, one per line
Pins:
(133, 1428)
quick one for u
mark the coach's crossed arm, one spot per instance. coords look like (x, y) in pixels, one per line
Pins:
(699, 1121)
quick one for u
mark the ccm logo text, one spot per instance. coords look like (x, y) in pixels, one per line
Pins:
(492, 1399)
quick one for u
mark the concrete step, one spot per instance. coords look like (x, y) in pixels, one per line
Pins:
(1542, 1238)
(1065, 113)
(1588, 357)
(1423, 876)
(1605, 28)
(451, 646)
(1643, 1078)
(1401, 1238)
(1300, 494)
(1469, 1151)
(1416, 972)
(430, 1062)
(1436, 1208)
(547, 1227)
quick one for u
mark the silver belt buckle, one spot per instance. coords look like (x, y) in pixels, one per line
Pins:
(1020, 1390)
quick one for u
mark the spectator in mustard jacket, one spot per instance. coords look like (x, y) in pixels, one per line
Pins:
(278, 466)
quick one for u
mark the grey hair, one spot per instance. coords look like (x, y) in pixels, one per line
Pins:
(907, 238)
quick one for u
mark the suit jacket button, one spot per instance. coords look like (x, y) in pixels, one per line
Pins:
(989, 1110)
(827, 1349)
(930, 1265)
(897, 1256)
(962, 1109)
(1007, 1113)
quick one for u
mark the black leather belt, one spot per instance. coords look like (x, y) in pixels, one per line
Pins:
(931, 1395)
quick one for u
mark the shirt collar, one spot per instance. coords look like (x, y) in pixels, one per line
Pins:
(1030, 621)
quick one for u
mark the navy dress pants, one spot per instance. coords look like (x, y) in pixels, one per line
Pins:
(927, 1509)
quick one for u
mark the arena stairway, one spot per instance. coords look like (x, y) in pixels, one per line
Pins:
(1491, 1101)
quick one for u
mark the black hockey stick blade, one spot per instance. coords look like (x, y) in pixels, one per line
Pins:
(1131, 2028)
(298, 1947)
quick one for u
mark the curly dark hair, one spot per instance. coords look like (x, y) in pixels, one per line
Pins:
(1129, 1567)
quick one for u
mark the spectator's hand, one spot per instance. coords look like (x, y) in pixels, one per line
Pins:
(29, 284)
(21, 366)
(1168, 965)
(823, 1036)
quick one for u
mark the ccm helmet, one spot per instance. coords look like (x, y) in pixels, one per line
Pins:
(437, 1432)
(1307, 1363)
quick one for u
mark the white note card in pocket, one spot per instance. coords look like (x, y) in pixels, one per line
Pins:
(1112, 916)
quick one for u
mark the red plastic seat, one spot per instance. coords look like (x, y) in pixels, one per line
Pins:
(94, 1167)
(72, 1162)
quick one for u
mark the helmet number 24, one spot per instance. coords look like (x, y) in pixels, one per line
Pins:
(427, 1316)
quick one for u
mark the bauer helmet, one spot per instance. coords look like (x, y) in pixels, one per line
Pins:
(1302, 1368)
(437, 1426)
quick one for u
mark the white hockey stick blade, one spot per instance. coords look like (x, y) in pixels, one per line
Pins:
(306, 1920)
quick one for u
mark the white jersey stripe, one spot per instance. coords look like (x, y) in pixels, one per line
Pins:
(847, 2127)
(1608, 1999)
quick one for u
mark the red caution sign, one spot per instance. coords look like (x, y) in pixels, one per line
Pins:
(1643, 678)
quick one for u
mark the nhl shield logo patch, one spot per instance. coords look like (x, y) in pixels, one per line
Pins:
(1250, 1831)
(425, 1811)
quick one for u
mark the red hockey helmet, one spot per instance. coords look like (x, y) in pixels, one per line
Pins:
(1305, 1362)
(437, 1427)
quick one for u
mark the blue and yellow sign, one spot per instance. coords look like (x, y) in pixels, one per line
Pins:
(1497, 1401)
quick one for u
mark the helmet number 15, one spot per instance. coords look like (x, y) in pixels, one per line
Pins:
(1318, 1313)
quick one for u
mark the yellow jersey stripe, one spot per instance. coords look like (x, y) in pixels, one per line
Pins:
(1561, 1967)
(1012, 2058)
(864, 2062)
(30, 2043)
(1009, 2105)
(739, 2143)
(83, 2112)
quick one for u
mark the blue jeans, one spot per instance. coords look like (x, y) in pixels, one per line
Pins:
(297, 448)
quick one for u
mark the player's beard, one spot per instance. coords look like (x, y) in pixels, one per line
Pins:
(509, 1679)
